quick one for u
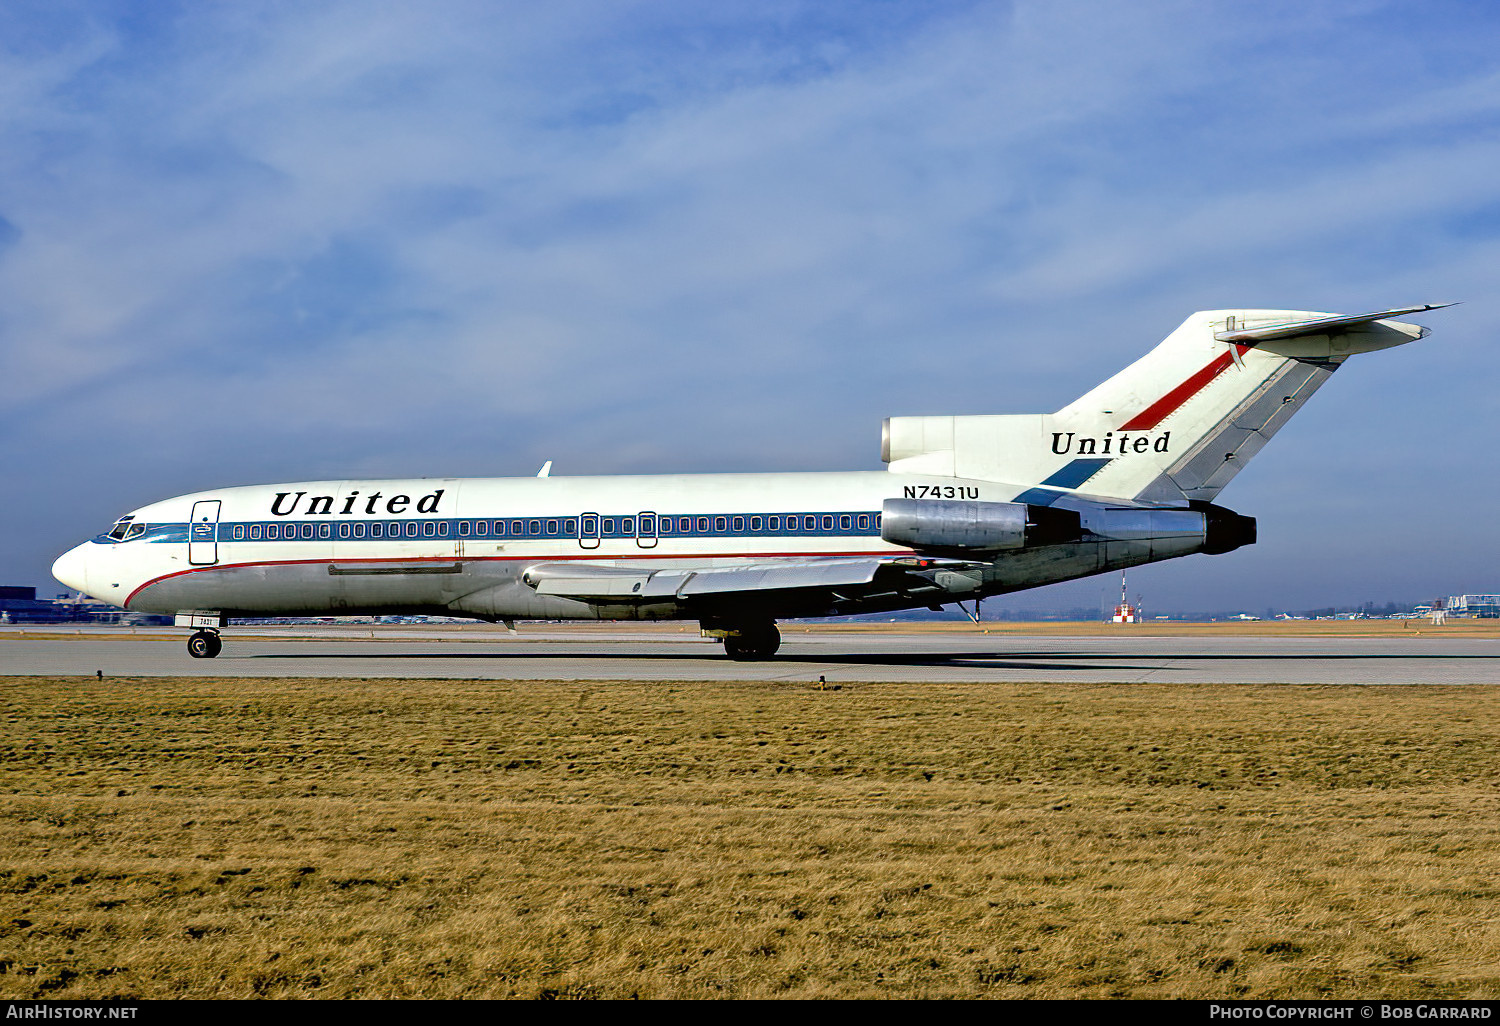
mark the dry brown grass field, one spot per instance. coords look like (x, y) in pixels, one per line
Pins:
(338, 838)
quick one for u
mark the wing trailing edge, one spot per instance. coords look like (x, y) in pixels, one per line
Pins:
(622, 583)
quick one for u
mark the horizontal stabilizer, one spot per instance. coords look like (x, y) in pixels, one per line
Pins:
(1315, 325)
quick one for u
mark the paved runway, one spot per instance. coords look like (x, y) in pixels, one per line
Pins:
(555, 653)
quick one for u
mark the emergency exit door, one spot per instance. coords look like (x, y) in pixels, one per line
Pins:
(203, 533)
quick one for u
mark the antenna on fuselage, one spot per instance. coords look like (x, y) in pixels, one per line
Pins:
(546, 470)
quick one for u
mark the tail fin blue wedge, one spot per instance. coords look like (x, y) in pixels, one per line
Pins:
(1174, 426)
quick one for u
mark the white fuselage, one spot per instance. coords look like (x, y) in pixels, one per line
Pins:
(429, 544)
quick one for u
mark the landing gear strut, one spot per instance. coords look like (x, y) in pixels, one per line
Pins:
(204, 644)
(753, 642)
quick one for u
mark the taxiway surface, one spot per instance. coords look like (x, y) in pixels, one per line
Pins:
(634, 654)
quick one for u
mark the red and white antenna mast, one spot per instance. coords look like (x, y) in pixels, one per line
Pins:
(1125, 612)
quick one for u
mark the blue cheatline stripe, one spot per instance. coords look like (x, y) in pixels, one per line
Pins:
(166, 533)
(1038, 497)
(529, 528)
(1075, 473)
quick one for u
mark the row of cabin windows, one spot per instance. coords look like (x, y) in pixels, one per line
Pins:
(594, 526)
(374, 529)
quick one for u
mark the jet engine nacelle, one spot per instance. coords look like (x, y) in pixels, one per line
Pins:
(945, 526)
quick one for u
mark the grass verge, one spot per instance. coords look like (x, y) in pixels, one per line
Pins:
(210, 838)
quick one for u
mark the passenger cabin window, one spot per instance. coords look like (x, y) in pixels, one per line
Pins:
(773, 523)
(627, 526)
(739, 525)
(755, 523)
(255, 532)
(864, 521)
(463, 528)
(828, 523)
(411, 528)
(720, 524)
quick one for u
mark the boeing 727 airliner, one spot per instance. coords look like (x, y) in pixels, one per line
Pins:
(968, 507)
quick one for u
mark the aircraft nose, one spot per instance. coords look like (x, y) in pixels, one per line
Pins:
(71, 568)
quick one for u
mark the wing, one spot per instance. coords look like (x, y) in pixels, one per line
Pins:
(794, 586)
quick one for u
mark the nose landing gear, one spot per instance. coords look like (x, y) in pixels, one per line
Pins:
(204, 644)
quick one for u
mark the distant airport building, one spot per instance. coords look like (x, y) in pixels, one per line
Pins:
(20, 605)
(1481, 606)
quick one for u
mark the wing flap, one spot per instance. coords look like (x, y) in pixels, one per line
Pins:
(616, 583)
(779, 576)
(592, 586)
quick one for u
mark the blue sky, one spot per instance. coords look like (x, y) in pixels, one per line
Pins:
(250, 242)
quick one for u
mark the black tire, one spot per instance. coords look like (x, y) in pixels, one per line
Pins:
(204, 645)
(753, 643)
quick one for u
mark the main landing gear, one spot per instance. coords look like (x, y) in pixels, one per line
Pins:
(752, 642)
(204, 644)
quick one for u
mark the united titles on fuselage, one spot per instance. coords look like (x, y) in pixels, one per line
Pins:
(285, 504)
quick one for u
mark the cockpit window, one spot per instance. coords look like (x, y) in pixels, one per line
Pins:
(135, 531)
(121, 526)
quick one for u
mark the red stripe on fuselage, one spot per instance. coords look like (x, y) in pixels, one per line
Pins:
(491, 559)
(1169, 403)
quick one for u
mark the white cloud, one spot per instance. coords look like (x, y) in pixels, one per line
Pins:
(656, 236)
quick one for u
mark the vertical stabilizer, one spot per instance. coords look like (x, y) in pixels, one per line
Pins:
(1175, 425)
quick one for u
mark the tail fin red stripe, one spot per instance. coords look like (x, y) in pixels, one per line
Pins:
(1167, 404)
